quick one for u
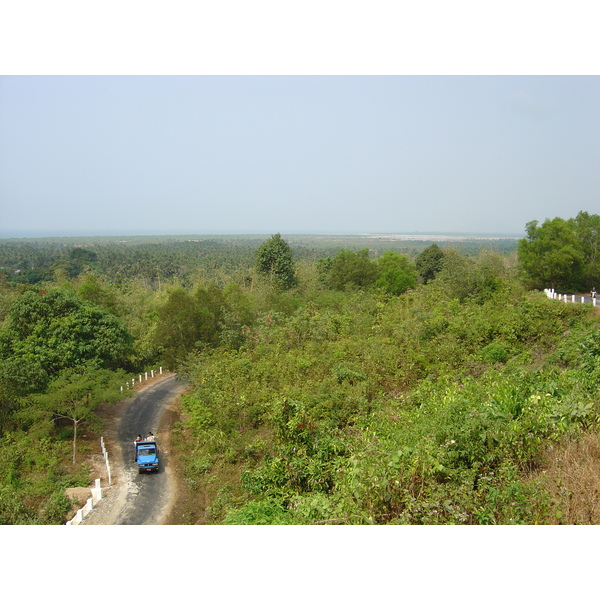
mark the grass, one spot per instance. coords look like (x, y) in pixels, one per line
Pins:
(571, 477)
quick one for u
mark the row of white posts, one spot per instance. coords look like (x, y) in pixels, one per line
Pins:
(96, 492)
(142, 377)
(105, 454)
(565, 297)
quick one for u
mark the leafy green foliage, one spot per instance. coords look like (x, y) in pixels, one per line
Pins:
(274, 258)
(190, 321)
(417, 409)
(430, 262)
(53, 330)
(397, 273)
(481, 278)
(34, 473)
(74, 396)
(351, 270)
(552, 254)
(587, 229)
(91, 289)
(353, 396)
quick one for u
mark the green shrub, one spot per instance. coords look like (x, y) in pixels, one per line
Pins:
(259, 512)
(495, 353)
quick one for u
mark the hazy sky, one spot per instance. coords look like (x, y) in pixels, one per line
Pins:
(295, 154)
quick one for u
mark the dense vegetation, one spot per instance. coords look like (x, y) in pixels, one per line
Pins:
(562, 253)
(438, 406)
(416, 383)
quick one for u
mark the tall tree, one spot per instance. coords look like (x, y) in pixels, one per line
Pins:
(352, 270)
(274, 259)
(430, 262)
(587, 228)
(56, 330)
(188, 321)
(92, 290)
(397, 273)
(177, 329)
(75, 395)
(551, 255)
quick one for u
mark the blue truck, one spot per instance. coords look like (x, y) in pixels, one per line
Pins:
(146, 455)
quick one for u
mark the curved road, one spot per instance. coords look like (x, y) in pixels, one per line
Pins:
(147, 494)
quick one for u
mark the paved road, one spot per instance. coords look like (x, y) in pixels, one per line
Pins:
(149, 493)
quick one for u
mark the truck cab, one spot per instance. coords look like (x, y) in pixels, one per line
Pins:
(146, 456)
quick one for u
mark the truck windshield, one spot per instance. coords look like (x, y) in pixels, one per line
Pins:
(146, 451)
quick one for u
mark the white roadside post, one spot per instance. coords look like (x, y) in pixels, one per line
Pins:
(89, 505)
(97, 492)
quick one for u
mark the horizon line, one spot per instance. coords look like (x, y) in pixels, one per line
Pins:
(18, 235)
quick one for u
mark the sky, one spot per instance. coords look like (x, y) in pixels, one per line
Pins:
(295, 154)
(231, 120)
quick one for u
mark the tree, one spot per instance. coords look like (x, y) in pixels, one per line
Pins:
(587, 228)
(352, 270)
(274, 259)
(323, 269)
(471, 278)
(177, 330)
(18, 378)
(551, 255)
(56, 330)
(430, 262)
(79, 260)
(76, 394)
(187, 321)
(92, 290)
(396, 273)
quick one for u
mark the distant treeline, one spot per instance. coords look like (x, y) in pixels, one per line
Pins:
(167, 258)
